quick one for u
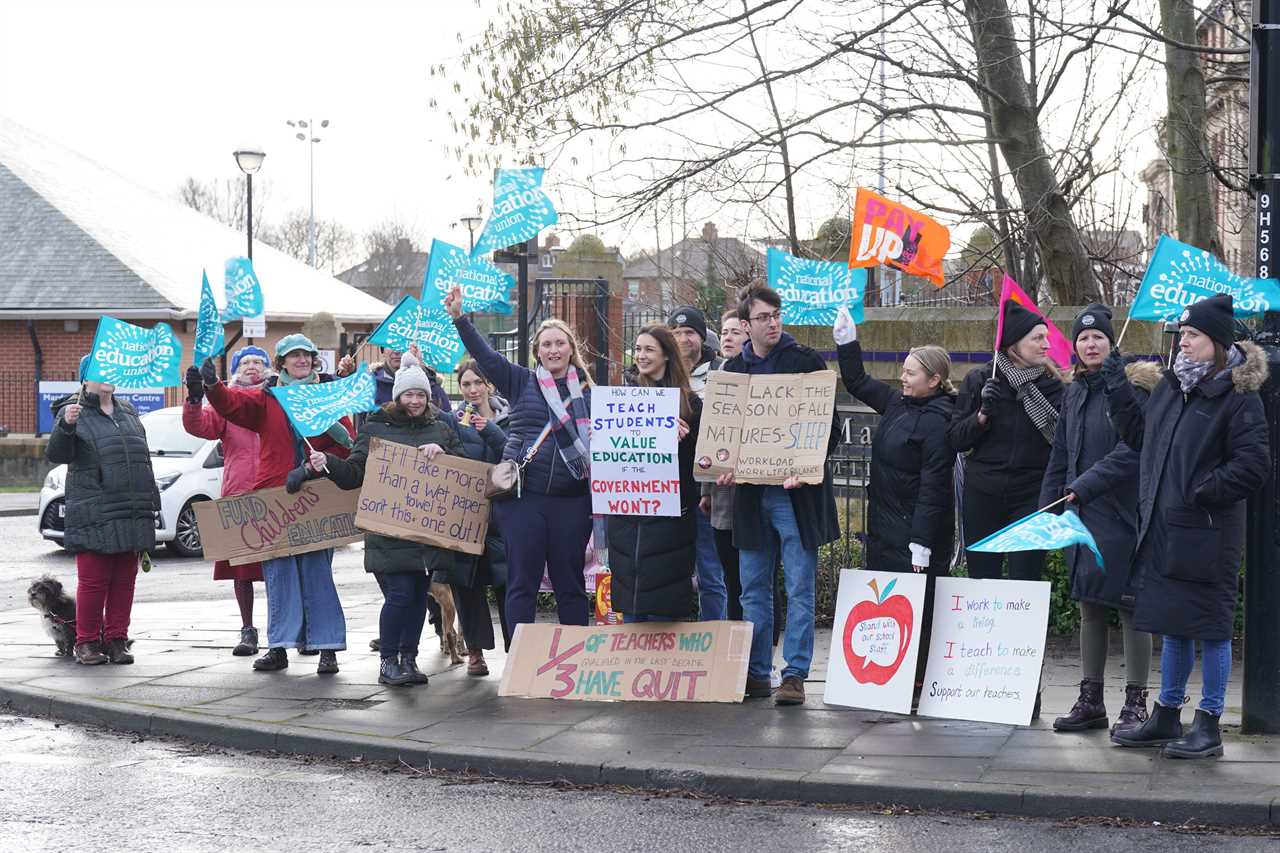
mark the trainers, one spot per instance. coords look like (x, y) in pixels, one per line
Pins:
(274, 659)
(90, 653)
(248, 644)
(775, 678)
(328, 664)
(791, 692)
(117, 650)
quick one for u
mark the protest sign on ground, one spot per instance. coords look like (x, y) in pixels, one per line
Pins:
(875, 640)
(635, 469)
(765, 428)
(129, 356)
(273, 523)
(440, 502)
(986, 650)
(644, 662)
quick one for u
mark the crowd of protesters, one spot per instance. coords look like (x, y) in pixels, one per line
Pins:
(1158, 464)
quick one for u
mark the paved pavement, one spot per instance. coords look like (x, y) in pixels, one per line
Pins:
(186, 682)
(19, 503)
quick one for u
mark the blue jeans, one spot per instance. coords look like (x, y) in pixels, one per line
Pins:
(713, 597)
(303, 610)
(799, 571)
(404, 612)
(1178, 659)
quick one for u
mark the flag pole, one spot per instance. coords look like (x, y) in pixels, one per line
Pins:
(307, 442)
(1125, 327)
(1052, 505)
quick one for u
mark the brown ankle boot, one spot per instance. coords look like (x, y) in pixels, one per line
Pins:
(1088, 713)
(1134, 712)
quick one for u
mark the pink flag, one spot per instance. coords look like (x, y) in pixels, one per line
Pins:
(1059, 346)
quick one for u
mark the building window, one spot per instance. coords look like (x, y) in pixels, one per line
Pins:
(546, 261)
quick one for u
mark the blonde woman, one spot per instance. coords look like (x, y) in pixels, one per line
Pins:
(549, 524)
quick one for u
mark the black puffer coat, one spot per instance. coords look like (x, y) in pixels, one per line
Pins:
(489, 568)
(910, 497)
(112, 496)
(1008, 455)
(651, 558)
(387, 554)
(1202, 454)
(1089, 459)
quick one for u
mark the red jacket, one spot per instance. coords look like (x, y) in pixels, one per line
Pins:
(239, 446)
(278, 445)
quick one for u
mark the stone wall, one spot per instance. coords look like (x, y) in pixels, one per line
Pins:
(22, 462)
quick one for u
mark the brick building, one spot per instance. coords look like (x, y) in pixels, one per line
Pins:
(78, 241)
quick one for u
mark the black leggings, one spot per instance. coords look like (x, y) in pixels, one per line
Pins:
(733, 584)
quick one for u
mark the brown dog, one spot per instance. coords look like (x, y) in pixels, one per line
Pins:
(450, 639)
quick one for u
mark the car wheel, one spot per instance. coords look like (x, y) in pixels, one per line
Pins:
(186, 536)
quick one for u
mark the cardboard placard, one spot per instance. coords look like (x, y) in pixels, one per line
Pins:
(765, 428)
(272, 523)
(875, 640)
(644, 662)
(439, 502)
(635, 469)
(986, 650)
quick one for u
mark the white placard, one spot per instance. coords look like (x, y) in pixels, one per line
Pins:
(986, 650)
(635, 466)
(254, 327)
(875, 640)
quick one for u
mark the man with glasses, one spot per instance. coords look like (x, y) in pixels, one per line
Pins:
(793, 519)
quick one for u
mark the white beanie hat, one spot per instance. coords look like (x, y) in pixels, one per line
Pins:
(410, 375)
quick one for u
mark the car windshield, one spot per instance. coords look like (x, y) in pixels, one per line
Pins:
(166, 437)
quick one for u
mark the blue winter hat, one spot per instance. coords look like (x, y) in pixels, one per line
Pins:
(289, 343)
(252, 350)
(84, 365)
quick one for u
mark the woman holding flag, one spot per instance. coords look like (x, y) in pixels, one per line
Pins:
(1203, 442)
(1097, 473)
(303, 610)
(547, 524)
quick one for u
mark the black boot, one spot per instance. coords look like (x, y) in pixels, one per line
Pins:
(1134, 712)
(375, 645)
(1163, 726)
(409, 663)
(274, 659)
(248, 644)
(393, 674)
(1204, 740)
(328, 664)
(118, 650)
(1088, 713)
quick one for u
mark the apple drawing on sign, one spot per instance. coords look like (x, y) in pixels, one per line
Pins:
(871, 649)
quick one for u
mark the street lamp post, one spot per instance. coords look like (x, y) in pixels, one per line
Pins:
(311, 139)
(472, 222)
(249, 160)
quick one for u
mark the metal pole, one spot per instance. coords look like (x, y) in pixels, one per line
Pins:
(311, 219)
(248, 212)
(602, 331)
(1261, 693)
(522, 304)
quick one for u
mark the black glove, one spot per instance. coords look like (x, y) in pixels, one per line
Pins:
(195, 385)
(1113, 370)
(991, 394)
(296, 478)
(208, 373)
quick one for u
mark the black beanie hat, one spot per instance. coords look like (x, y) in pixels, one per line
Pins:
(1214, 317)
(687, 315)
(1096, 317)
(1018, 323)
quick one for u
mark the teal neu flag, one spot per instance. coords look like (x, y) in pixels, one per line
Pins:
(1181, 275)
(1040, 531)
(520, 210)
(210, 337)
(244, 291)
(412, 322)
(129, 356)
(485, 288)
(813, 291)
(313, 408)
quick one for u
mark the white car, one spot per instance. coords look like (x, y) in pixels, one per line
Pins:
(187, 470)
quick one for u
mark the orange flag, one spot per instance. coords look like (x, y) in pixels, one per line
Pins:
(885, 232)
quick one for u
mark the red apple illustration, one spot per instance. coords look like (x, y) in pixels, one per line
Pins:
(897, 608)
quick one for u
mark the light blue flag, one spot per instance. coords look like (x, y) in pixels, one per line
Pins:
(1040, 531)
(485, 288)
(432, 330)
(813, 291)
(129, 356)
(313, 408)
(244, 291)
(520, 210)
(210, 337)
(1181, 275)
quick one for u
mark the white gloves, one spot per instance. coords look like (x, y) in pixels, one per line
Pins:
(919, 554)
(845, 330)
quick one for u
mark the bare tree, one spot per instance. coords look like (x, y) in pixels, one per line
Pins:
(224, 201)
(393, 266)
(335, 242)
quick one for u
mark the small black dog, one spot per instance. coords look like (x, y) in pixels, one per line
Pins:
(57, 612)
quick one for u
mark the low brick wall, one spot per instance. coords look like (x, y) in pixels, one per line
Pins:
(22, 461)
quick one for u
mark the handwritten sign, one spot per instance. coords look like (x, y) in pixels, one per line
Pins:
(440, 502)
(644, 662)
(986, 650)
(876, 640)
(765, 428)
(272, 523)
(635, 469)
